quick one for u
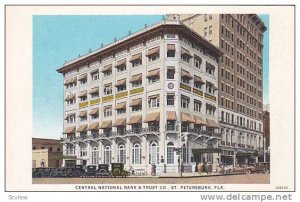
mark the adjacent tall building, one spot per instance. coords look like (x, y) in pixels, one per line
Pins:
(140, 99)
(240, 80)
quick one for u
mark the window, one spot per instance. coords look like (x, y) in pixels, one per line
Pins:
(185, 80)
(121, 111)
(95, 156)
(107, 89)
(137, 84)
(153, 57)
(136, 63)
(170, 153)
(83, 150)
(121, 130)
(210, 29)
(107, 154)
(197, 61)
(121, 154)
(121, 68)
(170, 72)
(95, 76)
(210, 69)
(205, 31)
(107, 111)
(137, 154)
(185, 58)
(153, 79)
(170, 99)
(153, 102)
(153, 153)
(121, 88)
(185, 101)
(197, 106)
(137, 108)
(171, 50)
(107, 73)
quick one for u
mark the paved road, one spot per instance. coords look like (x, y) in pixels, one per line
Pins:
(229, 179)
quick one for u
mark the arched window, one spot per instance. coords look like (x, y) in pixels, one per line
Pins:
(137, 154)
(153, 153)
(83, 150)
(121, 154)
(170, 153)
(95, 155)
(107, 154)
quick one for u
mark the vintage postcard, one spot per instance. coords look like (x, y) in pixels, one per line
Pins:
(157, 98)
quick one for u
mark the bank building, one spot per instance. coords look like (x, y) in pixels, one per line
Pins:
(150, 98)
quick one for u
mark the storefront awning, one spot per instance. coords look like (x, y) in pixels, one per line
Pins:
(94, 111)
(187, 118)
(121, 82)
(155, 116)
(185, 52)
(121, 105)
(82, 128)
(206, 150)
(93, 126)
(186, 74)
(136, 57)
(211, 123)
(106, 124)
(152, 73)
(94, 90)
(107, 68)
(136, 102)
(171, 116)
(121, 62)
(82, 77)
(199, 121)
(135, 119)
(120, 122)
(171, 46)
(153, 51)
(134, 78)
(82, 113)
(198, 79)
(70, 129)
(82, 93)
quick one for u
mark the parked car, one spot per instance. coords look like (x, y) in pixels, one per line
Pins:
(103, 171)
(258, 167)
(42, 172)
(79, 171)
(91, 171)
(117, 169)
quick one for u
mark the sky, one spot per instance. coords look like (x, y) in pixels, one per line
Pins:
(57, 39)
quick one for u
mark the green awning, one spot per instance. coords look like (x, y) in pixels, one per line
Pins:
(206, 150)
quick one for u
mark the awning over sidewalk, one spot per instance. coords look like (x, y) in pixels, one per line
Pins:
(206, 150)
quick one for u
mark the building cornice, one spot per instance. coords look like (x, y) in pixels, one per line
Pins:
(164, 27)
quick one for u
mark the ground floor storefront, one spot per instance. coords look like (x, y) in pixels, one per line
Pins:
(141, 153)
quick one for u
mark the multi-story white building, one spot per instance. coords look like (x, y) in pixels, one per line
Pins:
(240, 38)
(133, 100)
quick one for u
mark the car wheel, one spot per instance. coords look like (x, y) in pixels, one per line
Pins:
(248, 171)
(267, 171)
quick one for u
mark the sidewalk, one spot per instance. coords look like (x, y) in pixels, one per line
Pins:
(184, 175)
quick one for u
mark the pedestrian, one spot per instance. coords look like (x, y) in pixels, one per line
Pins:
(200, 166)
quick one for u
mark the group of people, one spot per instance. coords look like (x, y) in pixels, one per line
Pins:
(206, 167)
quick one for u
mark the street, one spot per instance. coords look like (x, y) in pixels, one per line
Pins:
(227, 179)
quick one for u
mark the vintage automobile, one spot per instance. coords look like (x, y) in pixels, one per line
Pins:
(91, 171)
(258, 167)
(117, 169)
(79, 171)
(103, 171)
(42, 172)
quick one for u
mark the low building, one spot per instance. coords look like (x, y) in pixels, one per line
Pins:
(46, 153)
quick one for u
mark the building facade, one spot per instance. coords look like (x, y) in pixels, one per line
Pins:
(46, 153)
(240, 38)
(138, 100)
